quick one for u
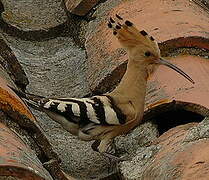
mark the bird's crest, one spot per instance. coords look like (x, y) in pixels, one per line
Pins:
(129, 36)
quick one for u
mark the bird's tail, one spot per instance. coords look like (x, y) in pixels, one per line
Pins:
(32, 100)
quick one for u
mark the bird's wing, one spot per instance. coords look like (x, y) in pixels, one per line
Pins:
(97, 110)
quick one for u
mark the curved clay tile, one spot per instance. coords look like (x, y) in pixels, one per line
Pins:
(174, 24)
(18, 159)
(9, 101)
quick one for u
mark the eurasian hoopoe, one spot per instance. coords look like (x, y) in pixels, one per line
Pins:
(103, 117)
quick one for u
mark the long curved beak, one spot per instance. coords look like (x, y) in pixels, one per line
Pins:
(166, 63)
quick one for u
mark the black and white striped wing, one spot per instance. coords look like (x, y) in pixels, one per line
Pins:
(97, 110)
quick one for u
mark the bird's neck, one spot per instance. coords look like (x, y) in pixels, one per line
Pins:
(133, 84)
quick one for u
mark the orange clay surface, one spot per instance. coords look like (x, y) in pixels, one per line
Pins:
(166, 85)
(10, 101)
(17, 159)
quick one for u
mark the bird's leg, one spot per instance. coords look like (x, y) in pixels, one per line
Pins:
(113, 157)
(107, 148)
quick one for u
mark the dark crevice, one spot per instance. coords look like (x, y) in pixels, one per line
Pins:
(11, 65)
(115, 176)
(1, 7)
(190, 43)
(175, 113)
(175, 117)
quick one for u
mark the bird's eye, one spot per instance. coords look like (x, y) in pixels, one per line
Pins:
(147, 53)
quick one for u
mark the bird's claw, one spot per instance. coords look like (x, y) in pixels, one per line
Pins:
(116, 158)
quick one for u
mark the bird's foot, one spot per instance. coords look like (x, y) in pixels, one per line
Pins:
(115, 158)
(108, 149)
(114, 161)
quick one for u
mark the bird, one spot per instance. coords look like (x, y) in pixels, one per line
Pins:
(101, 118)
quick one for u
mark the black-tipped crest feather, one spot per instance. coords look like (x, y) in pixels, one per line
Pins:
(117, 16)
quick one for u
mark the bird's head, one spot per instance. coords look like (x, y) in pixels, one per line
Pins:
(142, 49)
